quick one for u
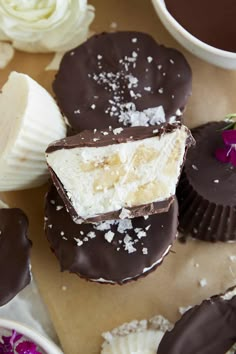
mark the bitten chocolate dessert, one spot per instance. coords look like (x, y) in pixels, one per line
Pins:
(14, 253)
(122, 79)
(120, 173)
(209, 328)
(206, 192)
(113, 251)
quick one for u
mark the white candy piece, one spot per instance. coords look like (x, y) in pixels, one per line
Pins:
(110, 178)
(136, 337)
(29, 121)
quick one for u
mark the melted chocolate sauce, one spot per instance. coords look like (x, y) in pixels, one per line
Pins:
(212, 21)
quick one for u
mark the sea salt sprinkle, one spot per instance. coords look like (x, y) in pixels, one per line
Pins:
(118, 228)
(117, 83)
(149, 116)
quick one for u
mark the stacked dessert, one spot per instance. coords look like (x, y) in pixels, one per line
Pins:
(111, 214)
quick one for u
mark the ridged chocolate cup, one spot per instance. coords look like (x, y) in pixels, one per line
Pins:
(207, 191)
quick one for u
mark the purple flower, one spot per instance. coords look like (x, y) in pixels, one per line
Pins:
(227, 154)
(27, 347)
(14, 337)
(9, 345)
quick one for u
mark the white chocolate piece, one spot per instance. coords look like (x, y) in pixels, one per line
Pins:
(120, 176)
(29, 121)
(139, 337)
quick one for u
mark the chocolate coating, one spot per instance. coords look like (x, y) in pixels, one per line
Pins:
(96, 258)
(105, 137)
(98, 139)
(209, 328)
(206, 191)
(14, 253)
(112, 69)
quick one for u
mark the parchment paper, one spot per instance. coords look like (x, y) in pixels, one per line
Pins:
(81, 310)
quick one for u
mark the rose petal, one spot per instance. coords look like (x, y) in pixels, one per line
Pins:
(233, 157)
(222, 155)
(229, 136)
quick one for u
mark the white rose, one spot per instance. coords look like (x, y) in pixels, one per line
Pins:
(45, 25)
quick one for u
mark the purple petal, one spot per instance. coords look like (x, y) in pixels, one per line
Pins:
(27, 347)
(15, 337)
(222, 155)
(6, 348)
(233, 157)
(229, 136)
(6, 339)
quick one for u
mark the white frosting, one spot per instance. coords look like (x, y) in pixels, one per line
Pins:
(119, 176)
(45, 25)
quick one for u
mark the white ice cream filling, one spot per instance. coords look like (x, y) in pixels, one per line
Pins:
(109, 178)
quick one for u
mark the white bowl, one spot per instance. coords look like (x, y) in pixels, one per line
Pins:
(45, 344)
(221, 58)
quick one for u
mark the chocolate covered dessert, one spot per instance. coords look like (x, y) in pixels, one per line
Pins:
(206, 192)
(122, 79)
(120, 173)
(208, 328)
(14, 253)
(114, 251)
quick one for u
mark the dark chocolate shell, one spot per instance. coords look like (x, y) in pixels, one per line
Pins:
(115, 251)
(207, 191)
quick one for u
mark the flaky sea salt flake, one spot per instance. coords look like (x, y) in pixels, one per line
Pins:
(109, 236)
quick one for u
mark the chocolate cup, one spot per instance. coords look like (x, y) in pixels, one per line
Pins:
(208, 328)
(96, 258)
(163, 76)
(206, 191)
(14, 253)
